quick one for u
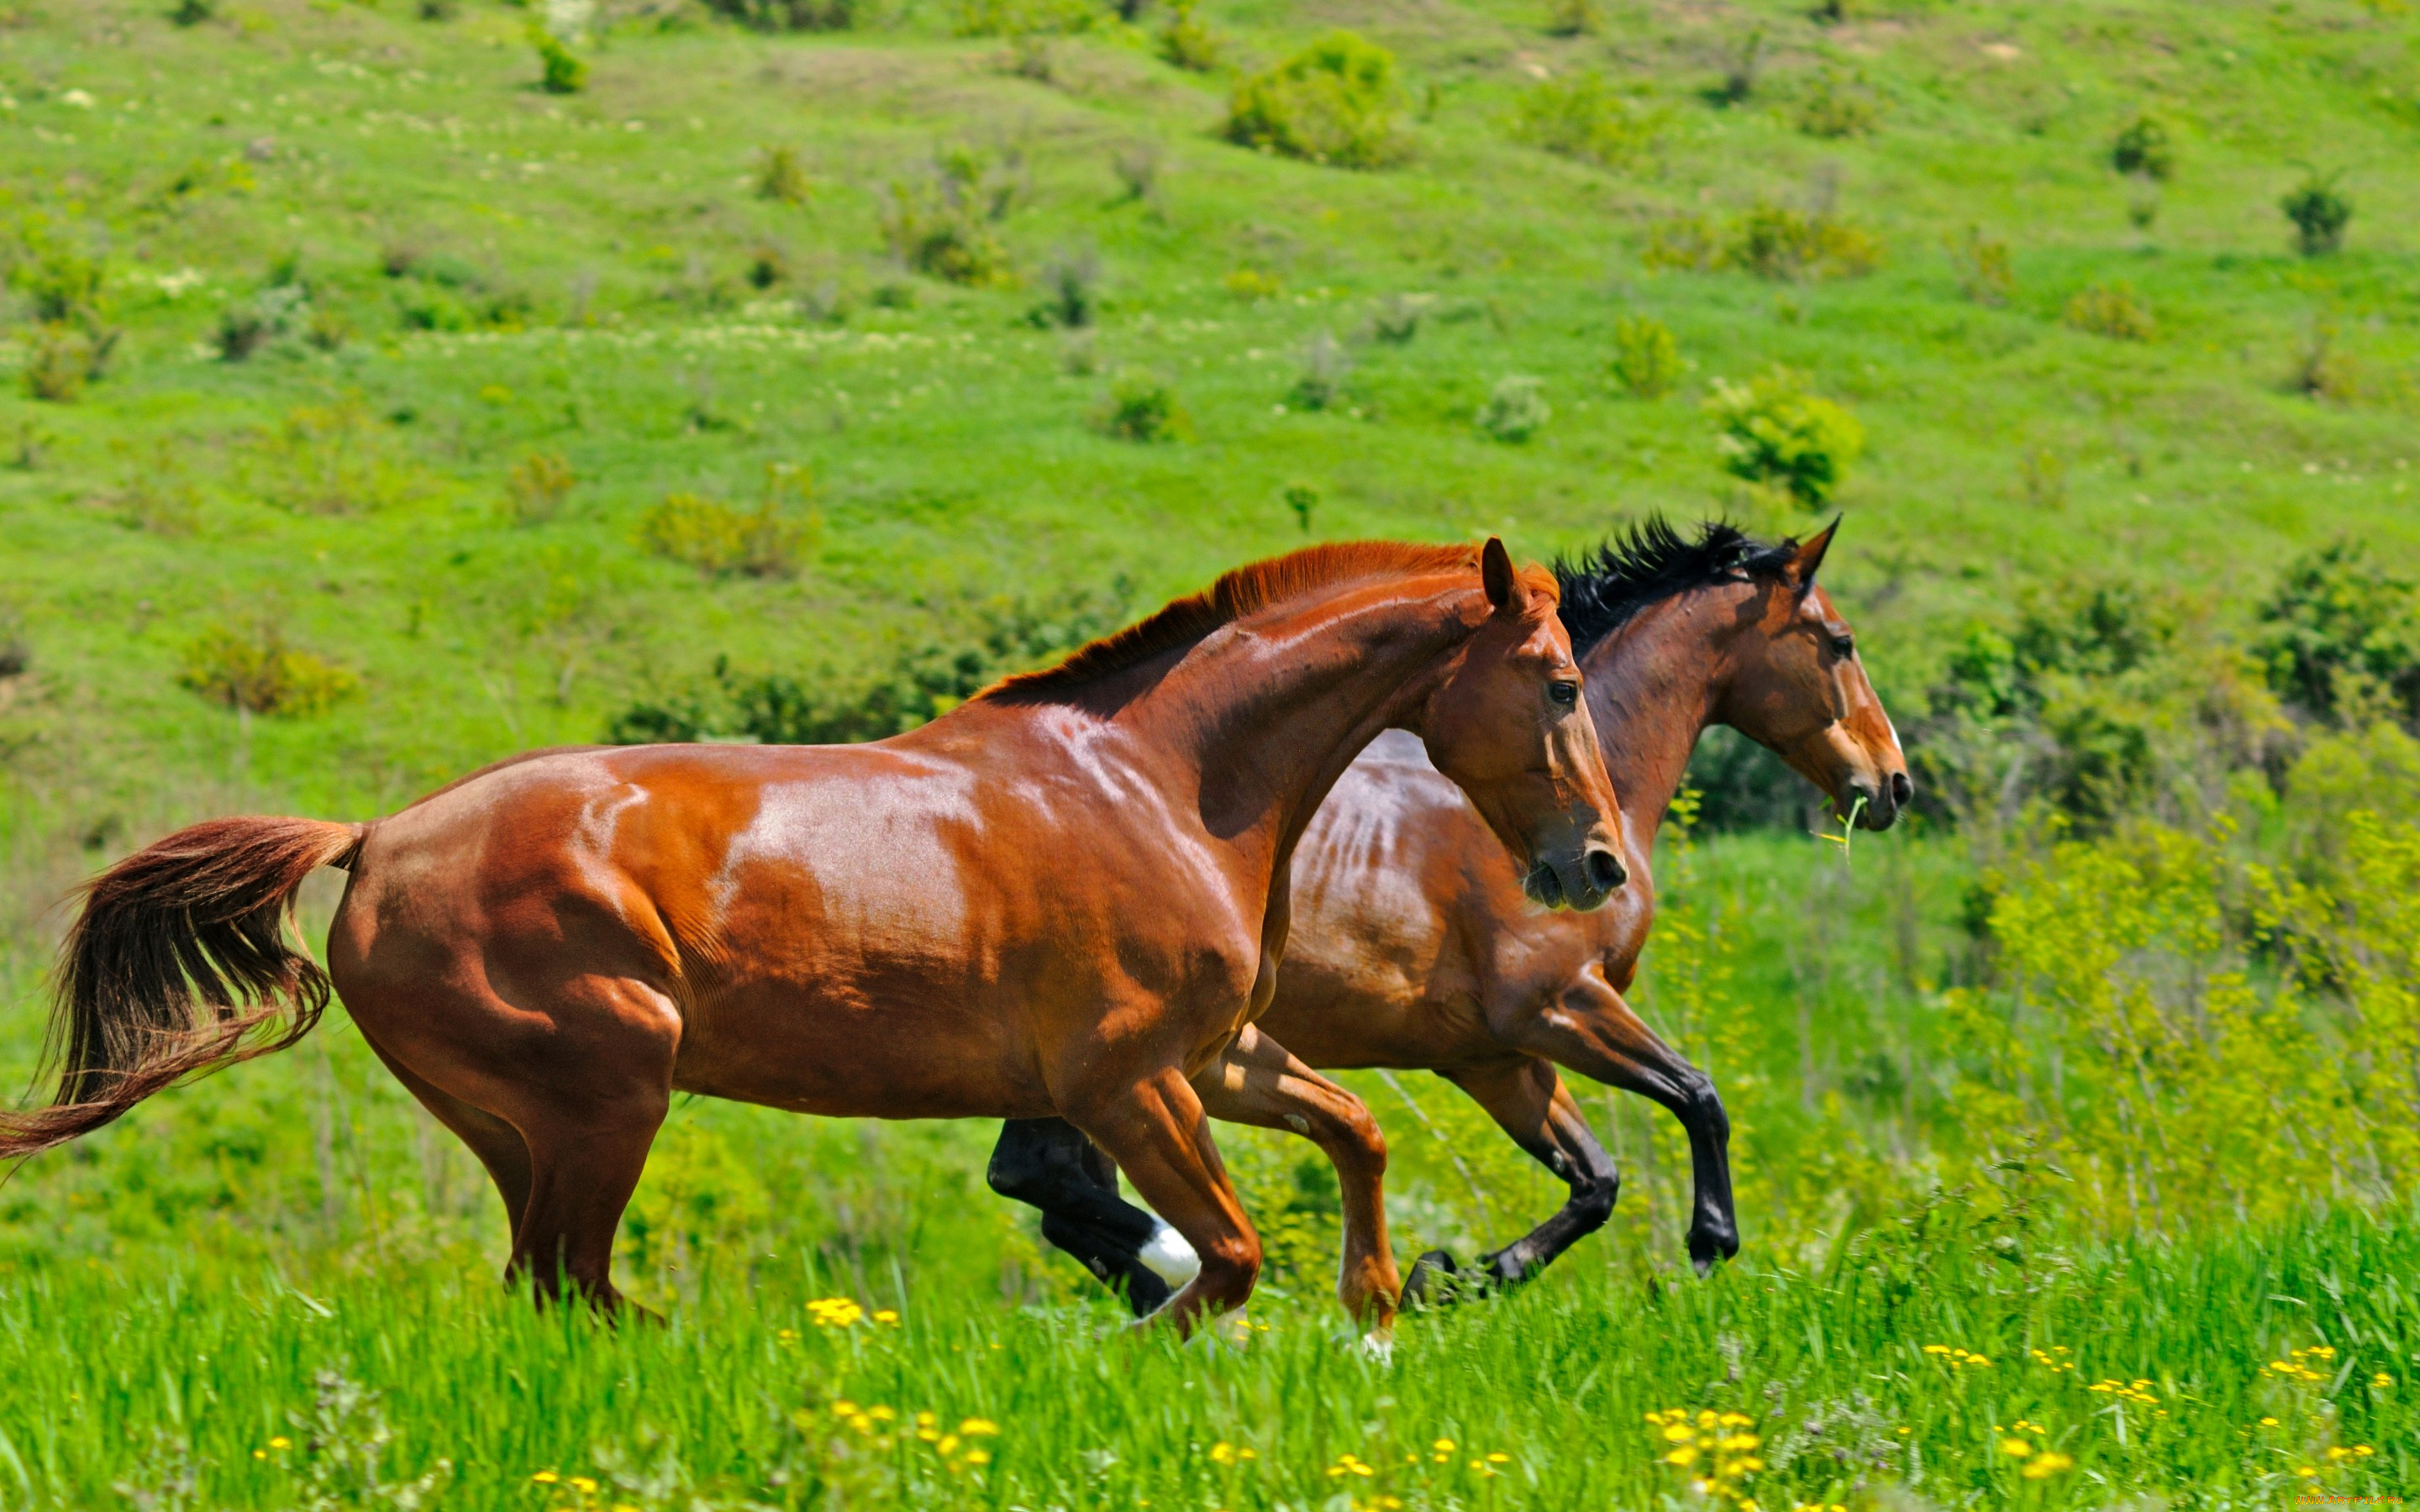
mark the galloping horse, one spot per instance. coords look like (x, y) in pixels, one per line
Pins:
(1067, 896)
(1415, 949)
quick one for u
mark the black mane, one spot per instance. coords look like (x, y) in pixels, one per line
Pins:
(1651, 562)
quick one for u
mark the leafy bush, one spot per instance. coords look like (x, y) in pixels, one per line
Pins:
(1646, 356)
(789, 15)
(330, 460)
(1774, 241)
(1837, 106)
(2321, 371)
(2340, 637)
(1769, 241)
(1023, 18)
(536, 487)
(1326, 365)
(941, 225)
(2111, 309)
(2318, 212)
(1141, 407)
(1136, 165)
(782, 176)
(1740, 74)
(1397, 318)
(1336, 102)
(721, 541)
(63, 282)
(1070, 283)
(1515, 410)
(1584, 116)
(59, 360)
(1984, 273)
(1252, 286)
(2142, 149)
(560, 70)
(991, 641)
(251, 669)
(1776, 431)
(1186, 41)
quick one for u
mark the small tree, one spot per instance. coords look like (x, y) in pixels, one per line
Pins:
(1335, 102)
(2142, 150)
(1646, 356)
(1776, 431)
(2318, 212)
(561, 71)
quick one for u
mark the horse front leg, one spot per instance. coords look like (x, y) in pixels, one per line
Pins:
(1156, 1132)
(1591, 1030)
(1529, 1101)
(1049, 1163)
(1257, 1081)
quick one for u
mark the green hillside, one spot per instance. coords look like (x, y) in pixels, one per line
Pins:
(372, 410)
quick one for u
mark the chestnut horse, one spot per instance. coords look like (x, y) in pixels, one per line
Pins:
(1067, 896)
(1414, 949)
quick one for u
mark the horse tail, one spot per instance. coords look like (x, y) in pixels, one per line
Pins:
(181, 962)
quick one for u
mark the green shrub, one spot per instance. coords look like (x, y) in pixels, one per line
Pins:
(59, 362)
(941, 225)
(63, 284)
(1515, 410)
(2142, 149)
(1984, 272)
(1071, 291)
(789, 15)
(1141, 407)
(1023, 18)
(1187, 42)
(251, 669)
(2321, 371)
(560, 70)
(1776, 431)
(327, 330)
(1837, 106)
(781, 177)
(194, 12)
(1397, 319)
(330, 460)
(1646, 356)
(1304, 500)
(2111, 309)
(1584, 116)
(1572, 18)
(536, 487)
(919, 684)
(1335, 102)
(1774, 241)
(1326, 365)
(2318, 212)
(721, 541)
(1252, 286)
(2340, 637)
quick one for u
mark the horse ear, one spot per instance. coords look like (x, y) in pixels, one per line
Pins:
(1505, 589)
(1801, 570)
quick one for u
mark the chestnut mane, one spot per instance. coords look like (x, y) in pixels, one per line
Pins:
(1244, 590)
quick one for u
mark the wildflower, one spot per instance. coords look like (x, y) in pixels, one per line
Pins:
(835, 1312)
(2381, 1381)
(1499, 1457)
(2017, 1447)
(2048, 1462)
(844, 1408)
(887, 1317)
(546, 1477)
(1443, 1446)
(2305, 1471)
(2363, 1450)
(583, 1485)
(1223, 1453)
(979, 1457)
(2268, 1422)
(883, 1414)
(978, 1428)
(281, 1441)
(1686, 1455)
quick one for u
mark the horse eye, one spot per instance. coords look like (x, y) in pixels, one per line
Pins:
(1843, 646)
(1565, 694)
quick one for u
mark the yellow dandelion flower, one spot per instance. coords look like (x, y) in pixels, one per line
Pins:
(2048, 1462)
(886, 1316)
(1445, 1446)
(1499, 1457)
(978, 1428)
(1736, 1420)
(2337, 1451)
(2268, 1422)
(583, 1485)
(2017, 1447)
(1248, 1453)
(1679, 1434)
(1223, 1453)
(546, 1477)
(1686, 1455)
(1936, 1348)
(949, 1441)
(979, 1457)
(2364, 1450)
(2305, 1471)
(2382, 1380)
(881, 1414)
(260, 1454)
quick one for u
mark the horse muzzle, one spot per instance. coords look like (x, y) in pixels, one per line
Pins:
(1583, 883)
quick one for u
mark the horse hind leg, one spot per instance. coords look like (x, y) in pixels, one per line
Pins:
(498, 1144)
(1049, 1163)
(1527, 1100)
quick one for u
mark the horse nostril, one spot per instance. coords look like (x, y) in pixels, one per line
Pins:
(1902, 789)
(1605, 871)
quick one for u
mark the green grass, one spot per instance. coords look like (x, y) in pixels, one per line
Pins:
(578, 283)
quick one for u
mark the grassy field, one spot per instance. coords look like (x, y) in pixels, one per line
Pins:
(364, 288)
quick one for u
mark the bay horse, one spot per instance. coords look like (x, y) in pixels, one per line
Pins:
(1067, 896)
(1415, 949)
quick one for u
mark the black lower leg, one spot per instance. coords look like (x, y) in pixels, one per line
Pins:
(1049, 1163)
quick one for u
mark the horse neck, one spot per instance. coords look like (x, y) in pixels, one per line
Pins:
(1272, 716)
(1652, 689)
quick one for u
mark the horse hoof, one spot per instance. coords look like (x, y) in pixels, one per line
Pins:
(1431, 1281)
(1706, 1248)
(1379, 1345)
